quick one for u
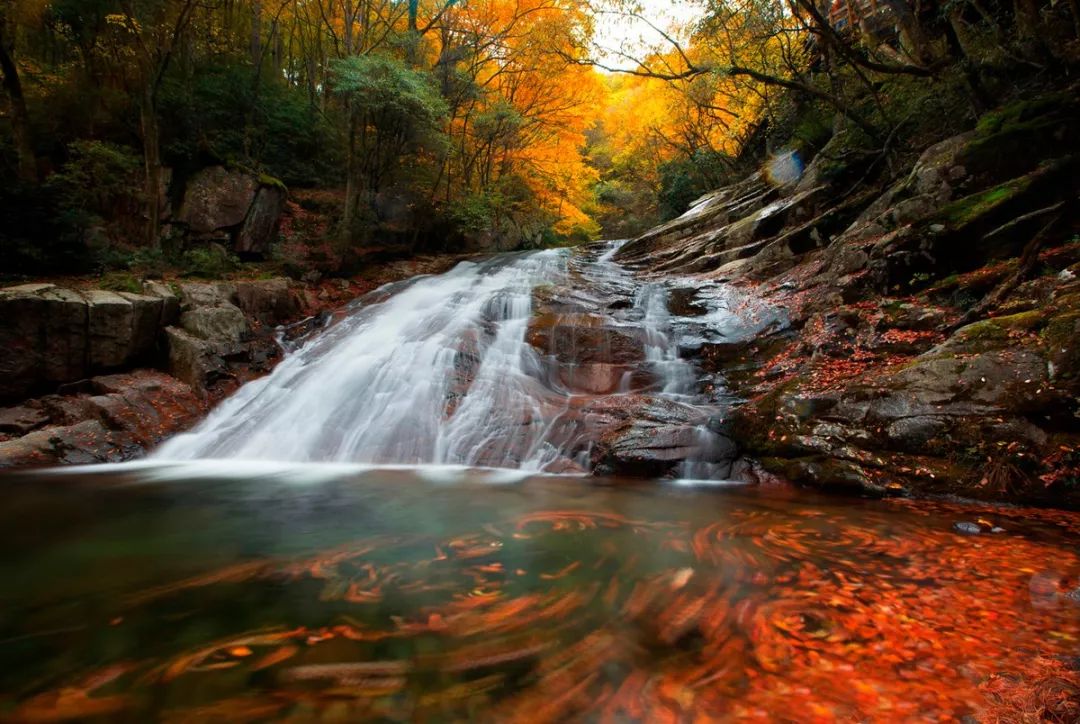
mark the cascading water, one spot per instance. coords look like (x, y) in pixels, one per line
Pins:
(440, 371)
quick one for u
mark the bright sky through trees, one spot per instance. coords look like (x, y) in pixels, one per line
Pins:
(620, 37)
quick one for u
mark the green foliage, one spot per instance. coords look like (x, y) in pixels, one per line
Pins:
(32, 238)
(212, 261)
(682, 181)
(121, 282)
(390, 92)
(499, 125)
(101, 180)
(812, 131)
(221, 115)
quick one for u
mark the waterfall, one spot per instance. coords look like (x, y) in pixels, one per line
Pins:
(440, 370)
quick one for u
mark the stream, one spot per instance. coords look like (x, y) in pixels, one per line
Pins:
(448, 370)
(376, 532)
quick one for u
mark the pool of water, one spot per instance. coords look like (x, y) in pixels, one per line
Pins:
(232, 593)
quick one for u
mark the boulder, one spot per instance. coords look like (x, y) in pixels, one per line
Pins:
(170, 302)
(233, 207)
(576, 344)
(646, 436)
(110, 326)
(261, 224)
(53, 335)
(225, 326)
(193, 360)
(216, 199)
(205, 294)
(146, 315)
(64, 326)
(268, 301)
(22, 364)
(21, 420)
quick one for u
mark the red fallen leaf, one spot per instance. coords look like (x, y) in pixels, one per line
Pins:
(275, 657)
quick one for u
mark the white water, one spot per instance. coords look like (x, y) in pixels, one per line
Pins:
(439, 373)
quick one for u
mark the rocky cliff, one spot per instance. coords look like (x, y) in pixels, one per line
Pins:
(935, 315)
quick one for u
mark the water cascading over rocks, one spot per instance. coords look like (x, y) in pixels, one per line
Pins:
(549, 361)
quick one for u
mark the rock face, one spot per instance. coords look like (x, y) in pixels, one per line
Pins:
(934, 316)
(210, 336)
(53, 335)
(261, 224)
(233, 207)
(224, 332)
(114, 418)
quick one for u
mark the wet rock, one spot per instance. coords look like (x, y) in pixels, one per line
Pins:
(914, 433)
(594, 378)
(21, 420)
(128, 414)
(683, 302)
(643, 436)
(581, 345)
(967, 528)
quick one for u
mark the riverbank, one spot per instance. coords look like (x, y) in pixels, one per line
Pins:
(104, 375)
(934, 312)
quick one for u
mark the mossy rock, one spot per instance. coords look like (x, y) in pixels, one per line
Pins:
(824, 473)
(964, 212)
(990, 334)
(980, 228)
(1016, 137)
(272, 182)
(1062, 339)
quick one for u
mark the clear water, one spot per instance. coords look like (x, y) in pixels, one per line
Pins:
(240, 592)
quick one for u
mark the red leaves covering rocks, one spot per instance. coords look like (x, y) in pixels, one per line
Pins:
(115, 417)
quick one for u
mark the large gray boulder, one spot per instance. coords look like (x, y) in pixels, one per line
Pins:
(51, 335)
(232, 206)
(216, 199)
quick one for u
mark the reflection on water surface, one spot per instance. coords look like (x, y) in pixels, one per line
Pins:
(312, 593)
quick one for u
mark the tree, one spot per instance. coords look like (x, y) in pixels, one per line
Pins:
(393, 109)
(12, 83)
(153, 31)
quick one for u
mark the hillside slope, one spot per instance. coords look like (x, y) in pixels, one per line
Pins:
(935, 319)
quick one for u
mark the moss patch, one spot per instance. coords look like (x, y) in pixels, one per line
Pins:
(962, 213)
(1021, 134)
(272, 182)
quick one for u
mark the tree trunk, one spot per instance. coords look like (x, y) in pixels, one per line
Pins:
(256, 32)
(20, 119)
(352, 187)
(151, 133)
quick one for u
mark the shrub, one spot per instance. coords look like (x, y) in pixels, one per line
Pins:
(212, 261)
